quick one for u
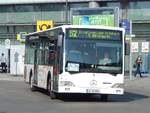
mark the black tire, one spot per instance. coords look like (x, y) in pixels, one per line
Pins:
(32, 87)
(104, 97)
(50, 92)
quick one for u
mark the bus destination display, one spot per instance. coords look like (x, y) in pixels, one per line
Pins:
(94, 34)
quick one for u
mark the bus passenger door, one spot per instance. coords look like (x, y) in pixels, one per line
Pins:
(35, 79)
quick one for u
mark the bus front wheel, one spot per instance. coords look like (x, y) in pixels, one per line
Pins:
(51, 93)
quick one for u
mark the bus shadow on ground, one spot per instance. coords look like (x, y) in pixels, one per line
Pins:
(127, 97)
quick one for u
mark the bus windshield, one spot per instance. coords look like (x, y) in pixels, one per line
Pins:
(93, 54)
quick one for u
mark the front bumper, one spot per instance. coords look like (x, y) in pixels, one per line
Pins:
(84, 90)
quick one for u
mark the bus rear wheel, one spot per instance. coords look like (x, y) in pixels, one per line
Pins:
(32, 87)
(51, 93)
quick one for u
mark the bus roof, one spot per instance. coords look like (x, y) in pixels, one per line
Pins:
(78, 26)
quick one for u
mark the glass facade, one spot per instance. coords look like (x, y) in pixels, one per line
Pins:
(136, 9)
(32, 12)
(15, 18)
(138, 12)
(15, 14)
(22, 17)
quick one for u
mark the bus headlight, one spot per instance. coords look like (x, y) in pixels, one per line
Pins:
(66, 83)
(117, 85)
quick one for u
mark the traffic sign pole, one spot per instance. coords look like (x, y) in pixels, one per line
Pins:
(130, 65)
(16, 59)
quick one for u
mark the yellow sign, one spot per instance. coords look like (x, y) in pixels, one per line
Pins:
(21, 36)
(44, 24)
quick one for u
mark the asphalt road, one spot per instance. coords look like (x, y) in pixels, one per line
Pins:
(16, 97)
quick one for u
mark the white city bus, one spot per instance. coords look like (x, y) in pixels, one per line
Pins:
(69, 59)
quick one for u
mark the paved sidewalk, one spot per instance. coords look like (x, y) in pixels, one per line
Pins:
(137, 81)
(9, 77)
(127, 76)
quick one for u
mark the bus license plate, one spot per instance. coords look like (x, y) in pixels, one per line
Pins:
(92, 90)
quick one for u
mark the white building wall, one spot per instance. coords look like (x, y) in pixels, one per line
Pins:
(17, 68)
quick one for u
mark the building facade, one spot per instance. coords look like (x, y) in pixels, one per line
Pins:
(21, 15)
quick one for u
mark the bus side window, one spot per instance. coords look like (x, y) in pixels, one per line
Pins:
(52, 58)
